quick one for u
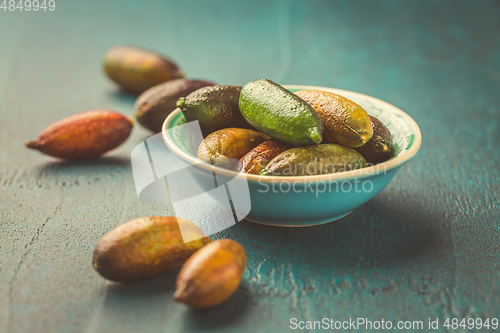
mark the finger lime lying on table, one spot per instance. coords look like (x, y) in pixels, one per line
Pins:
(149, 246)
(211, 275)
(145, 247)
(84, 135)
(135, 70)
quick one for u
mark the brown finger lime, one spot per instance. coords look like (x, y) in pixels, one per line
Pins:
(345, 122)
(225, 147)
(145, 247)
(84, 135)
(211, 275)
(135, 70)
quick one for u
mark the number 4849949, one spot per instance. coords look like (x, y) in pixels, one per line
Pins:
(471, 323)
(28, 5)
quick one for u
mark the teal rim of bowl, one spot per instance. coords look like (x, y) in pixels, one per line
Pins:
(406, 148)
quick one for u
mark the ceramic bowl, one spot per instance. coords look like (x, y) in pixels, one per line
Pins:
(305, 200)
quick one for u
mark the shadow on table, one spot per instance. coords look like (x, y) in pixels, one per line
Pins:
(164, 283)
(78, 165)
(82, 172)
(148, 306)
(398, 240)
(123, 96)
(377, 234)
(138, 307)
(225, 314)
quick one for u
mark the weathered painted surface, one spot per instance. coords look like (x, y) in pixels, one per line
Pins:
(426, 247)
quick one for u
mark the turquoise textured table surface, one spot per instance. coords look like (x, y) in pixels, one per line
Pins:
(426, 248)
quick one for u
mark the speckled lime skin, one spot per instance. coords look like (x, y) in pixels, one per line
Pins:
(145, 247)
(214, 107)
(345, 122)
(256, 159)
(276, 111)
(135, 70)
(315, 160)
(211, 275)
(156, 103)
(380, 147)
(84, 135)
(225, 147)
